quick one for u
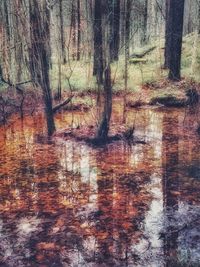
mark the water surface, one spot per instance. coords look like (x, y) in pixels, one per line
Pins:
(64, 203)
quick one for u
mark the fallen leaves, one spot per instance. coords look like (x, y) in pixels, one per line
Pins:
(47, 246)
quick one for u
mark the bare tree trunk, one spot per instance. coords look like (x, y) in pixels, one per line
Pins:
(62, 36)
(7, 41)
(127, 16)
(73, 30)
(101, 42)
(39, 56)
(145, 37)
(176, 11)
(122, 22)
(59, 80)
(127, 38)
(167, 34)
(98, 42)
(105, 121)
(114, 18)
(194, 64)
(78, 30)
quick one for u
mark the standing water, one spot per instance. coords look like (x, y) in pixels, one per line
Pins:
(64, 203)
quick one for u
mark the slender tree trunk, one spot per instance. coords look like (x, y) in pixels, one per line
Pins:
(195, 65)
(114, 18)
(167, 34)
(122, 27)
(7, 40)
(176, 11)
(39, 56)
(98, 42)
(145, 37)
(127, 39)
(78, 30)
(59, 80)
(62, 35)
(105, 121)
(127, 11)
(73, 30)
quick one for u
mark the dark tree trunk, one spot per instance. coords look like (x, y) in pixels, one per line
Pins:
(98, 42)
(122, 22)
(73, 30)
(7, 23)
(62, 36)
(127, 26)
(198, 18)
(114, 18)
(78, 30)
(167, 34)
(103, 129)
(39, 57)
(127, 38)
(8, 37)
(145, 37)
(176, 11)
(101, 10)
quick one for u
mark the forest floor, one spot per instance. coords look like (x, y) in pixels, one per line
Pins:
(147, 83)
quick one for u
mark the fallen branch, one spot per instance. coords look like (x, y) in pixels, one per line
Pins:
(59, 106)
(24, 82)
(144, 52)
(17, 86)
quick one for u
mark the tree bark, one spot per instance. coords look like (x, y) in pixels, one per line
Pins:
(62, 35)
(73, 30)
(114, 19)
(39, 56)
(98, 42)
(78, 30)
(145, 37)
(176, 11)
(167, 34)
(103, 129)
(127, 39)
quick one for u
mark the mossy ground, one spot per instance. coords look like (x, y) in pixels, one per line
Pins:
(147, 79)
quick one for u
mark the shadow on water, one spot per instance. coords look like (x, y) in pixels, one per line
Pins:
(64, 203)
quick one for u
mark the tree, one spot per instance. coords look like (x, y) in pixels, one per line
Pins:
(175, 24)
(167, 34)
(62, 36)
(145, 19)
(39, 55)
(98, 41)
(196, 46)
(114, 19)
(127, 17)
(79, 29)
(102, 66)
(73, 29)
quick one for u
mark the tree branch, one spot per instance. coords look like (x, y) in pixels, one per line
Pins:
(56, 108)
(18, 88)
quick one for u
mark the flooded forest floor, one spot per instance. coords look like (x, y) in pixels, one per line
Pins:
(66, 203)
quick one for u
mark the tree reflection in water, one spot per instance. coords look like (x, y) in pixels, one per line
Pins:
(171, 188)
(63, 203)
